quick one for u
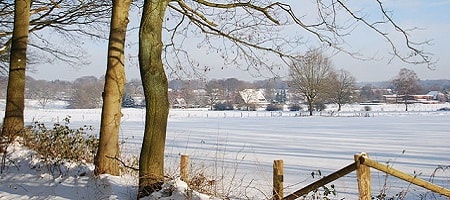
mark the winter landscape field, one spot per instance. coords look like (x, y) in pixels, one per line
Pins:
(238, 148)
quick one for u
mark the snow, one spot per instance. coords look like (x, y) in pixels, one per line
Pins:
(238, 148)
(26, 177)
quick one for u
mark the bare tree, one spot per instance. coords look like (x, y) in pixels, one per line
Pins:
(341, 88)
(58, 30)
(310, 76)
(86, 93)
(63, 17)
(214, 93)
(134, 88)
(106, 159)
(252, 34)
(271, 89)
(406, 83)
(13, 122)
(154, 81)
(41, 90)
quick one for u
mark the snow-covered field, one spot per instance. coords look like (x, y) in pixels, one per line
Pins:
(241, 146)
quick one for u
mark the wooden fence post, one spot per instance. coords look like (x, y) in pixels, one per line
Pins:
(184, 163)
(363, 177)
(277, 180)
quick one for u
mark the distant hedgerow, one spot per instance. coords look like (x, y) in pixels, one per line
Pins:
(295, 107)
(274, 107)
(223, 106)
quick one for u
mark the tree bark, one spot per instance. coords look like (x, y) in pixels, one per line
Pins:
(154, 81)
(13, 122)
(406, 102)
(106, 159)
(310, 107)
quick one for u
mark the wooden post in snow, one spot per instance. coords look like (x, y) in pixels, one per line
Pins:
(277, 180)
(363, 177)
(184, 169)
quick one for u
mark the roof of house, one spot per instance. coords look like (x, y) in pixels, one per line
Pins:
(252, 96)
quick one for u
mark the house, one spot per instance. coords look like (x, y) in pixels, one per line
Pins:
(417, 98)
(253, 97)
(179, 103)
(438, 96)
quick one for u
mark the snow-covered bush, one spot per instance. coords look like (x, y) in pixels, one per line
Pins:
(61, 143)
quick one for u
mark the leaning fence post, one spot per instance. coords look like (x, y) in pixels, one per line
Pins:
(363, 177)
(184, 163)
(277, 180)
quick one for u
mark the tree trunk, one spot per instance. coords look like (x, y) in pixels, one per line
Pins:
(13, 122)
(406, 104)
(154, 81)
(108, 150)
(310, 105)
(310, 108)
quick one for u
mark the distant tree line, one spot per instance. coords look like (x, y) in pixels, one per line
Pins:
(83, 92)
(216, 94)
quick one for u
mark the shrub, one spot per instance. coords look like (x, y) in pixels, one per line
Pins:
(128, 101)
(61, 143)
(274, 107)
(325, 191)
(249, 107)
(223, 106)
(319, 106)
(295, 107)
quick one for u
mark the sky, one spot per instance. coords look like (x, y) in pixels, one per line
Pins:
(432, 19)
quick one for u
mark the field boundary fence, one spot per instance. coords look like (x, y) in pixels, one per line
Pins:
(362, 164)
(275, 114)
(362, 167)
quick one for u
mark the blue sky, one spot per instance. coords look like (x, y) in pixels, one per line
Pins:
(432, 17)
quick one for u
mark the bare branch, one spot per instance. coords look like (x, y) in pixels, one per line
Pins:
(188, 10)
(233, 35)
(263, 10)
(260, 34)
(71, 22)
(425, 57)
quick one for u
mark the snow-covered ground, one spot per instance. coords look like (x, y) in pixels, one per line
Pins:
(240, 147)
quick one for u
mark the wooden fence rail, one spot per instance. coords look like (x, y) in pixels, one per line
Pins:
(362, 166)
(323, 181)
(406, 177)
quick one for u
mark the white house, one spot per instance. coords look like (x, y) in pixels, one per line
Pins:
(253, 97)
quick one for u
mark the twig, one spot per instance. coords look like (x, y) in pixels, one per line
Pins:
(123, 163)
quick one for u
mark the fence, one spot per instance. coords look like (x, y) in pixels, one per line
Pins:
(362, 166)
